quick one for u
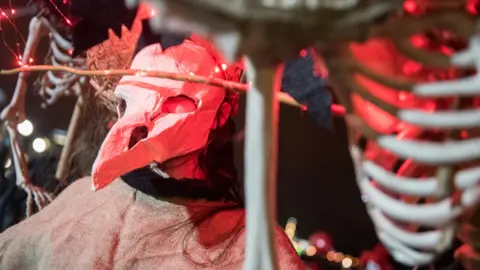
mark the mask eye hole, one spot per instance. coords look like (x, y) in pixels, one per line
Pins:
(179, 104)
(121, 106)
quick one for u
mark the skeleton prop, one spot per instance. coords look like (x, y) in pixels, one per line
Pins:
(53, 86)
(438, 169)
(435, 169)
(416, 169)
(51, 19)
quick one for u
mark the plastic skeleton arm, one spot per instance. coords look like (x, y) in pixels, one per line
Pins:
(15, 111)
(53, 86)
(36, 195)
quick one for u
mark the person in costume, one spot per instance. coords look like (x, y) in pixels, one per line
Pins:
(167, 195)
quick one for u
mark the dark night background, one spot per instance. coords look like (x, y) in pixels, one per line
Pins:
(315, 178)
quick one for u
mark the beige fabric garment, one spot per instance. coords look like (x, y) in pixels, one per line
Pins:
(121, 228)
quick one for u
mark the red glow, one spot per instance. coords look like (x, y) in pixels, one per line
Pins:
(472, 7)
(430, 106)
(418, 41)
(303, 53)
(410, 6)
(447, 50)
(402, 96)
(153, 12)
(338, 110)
(410, 68)
(12, 11)
(61, 14)
(30, 60)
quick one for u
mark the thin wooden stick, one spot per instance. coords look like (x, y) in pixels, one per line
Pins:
(282, 97)
(63, 163)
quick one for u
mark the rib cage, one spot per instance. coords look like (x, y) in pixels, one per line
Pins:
(397, 119)
(56, 84)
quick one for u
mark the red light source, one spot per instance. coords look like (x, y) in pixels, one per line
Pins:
(472, 6)
(418, 41)
(410, 68)
(411, 6)
(402, 96)
(303, 53)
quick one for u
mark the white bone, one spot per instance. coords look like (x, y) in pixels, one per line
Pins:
(428, 215)
(60, 40)
(405, 254)
(67, 78)
(36, 195)
(399, 184)
(15, 111)
(443, 120)
(65, 58)
(461, 87)
(423, 240)
(467, 178)
(260, 170)
(441, 215)
(451, 152)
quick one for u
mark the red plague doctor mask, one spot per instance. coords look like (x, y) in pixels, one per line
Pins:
(170, 134)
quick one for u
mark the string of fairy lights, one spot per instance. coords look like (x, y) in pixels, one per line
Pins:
(319, 248)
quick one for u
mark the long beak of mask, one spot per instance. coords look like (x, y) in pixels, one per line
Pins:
(115, 158)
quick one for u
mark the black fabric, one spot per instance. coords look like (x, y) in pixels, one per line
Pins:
(300, 82)
(93, 19)
(150, 183)
(58, 8)
(12, 203)
(165, 38)
(13, 198)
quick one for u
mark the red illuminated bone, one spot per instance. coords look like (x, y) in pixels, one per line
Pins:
(393, 196)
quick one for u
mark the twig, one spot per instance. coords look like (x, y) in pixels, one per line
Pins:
(63, 163)
(282, 97)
